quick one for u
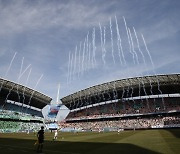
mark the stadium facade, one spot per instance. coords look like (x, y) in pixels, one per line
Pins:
(124, 88)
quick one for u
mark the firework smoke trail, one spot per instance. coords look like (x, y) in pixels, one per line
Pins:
(71, 68)
(84, 48)
(68, 68)
(143, 58)
(87, 51)
(79, 62)
(89, 56)
(17, 87)
(34, 90)
(120, 50)
(132, 90)
(25, 87)
(21, 66)
(118, 39)
(112, 43)
(75, 59)
(139, 47)
(134, 52)
(94, 47)
(127, 32)
(14, 85)
(120, 42)
(19, 78)
(130, 48)
(102, 44)
(137, 60)
(10, 64)
(8, 69)
(153, 69)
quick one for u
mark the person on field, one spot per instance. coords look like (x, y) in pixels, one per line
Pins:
(40, 136)
(55, 135)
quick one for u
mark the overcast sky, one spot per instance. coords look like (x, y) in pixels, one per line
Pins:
(72, 42)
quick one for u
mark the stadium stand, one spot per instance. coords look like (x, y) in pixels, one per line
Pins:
(119, 105)
(20, 108)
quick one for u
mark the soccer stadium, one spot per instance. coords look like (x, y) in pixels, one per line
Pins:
(107, 118)
(116, 64)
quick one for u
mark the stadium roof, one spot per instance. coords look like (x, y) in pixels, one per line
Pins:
(124, 88)
(19, 93)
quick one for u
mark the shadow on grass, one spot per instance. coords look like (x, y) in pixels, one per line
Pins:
(19, 146)
(175, 132)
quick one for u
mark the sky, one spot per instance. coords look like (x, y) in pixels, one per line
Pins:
(81, 43)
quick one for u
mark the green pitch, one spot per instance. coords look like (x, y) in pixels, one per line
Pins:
(130, 142)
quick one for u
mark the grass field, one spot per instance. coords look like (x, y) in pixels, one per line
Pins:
(130, 142)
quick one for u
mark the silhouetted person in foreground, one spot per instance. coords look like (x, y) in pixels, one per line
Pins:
(40, 136)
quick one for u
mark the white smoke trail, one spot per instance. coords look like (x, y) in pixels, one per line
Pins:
(14, 85)
(148, 54)
(25, 87)
(137, 61)
(20, 75)
(8, 69)
(24, 71)
(153, 69)
(102, 46)
(112, 43)
(139, 47)
(34, 90)
(94, 47)
(89, 56)
(133, 50)
(143, 57)
(21, 66)
(118, 40)
(10, 64)
(79, 62)
(17, 87)
(87, 52)
(130, 46)
(83, 58)
(69, 59)
(120, 43)
(75, 61)
(71, 68)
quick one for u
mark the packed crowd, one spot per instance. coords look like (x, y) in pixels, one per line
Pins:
(16, 126)
(139, 123)
(11, 121)
(126, 108)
